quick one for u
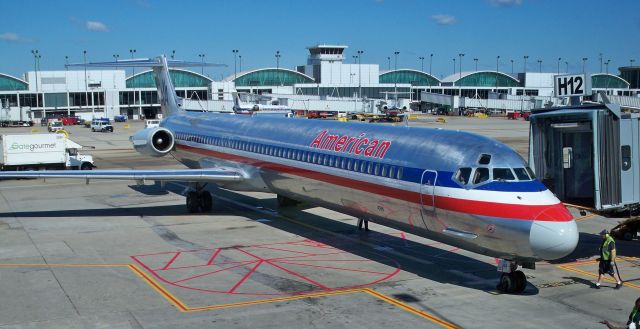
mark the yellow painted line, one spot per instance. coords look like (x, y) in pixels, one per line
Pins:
(182, 307)
(409, 308)
(159, 289)
(274, 300)
(63, 265)
(585, 217)
(572, 268)
(578, 207)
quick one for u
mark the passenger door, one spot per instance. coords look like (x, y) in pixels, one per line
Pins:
(427, 198)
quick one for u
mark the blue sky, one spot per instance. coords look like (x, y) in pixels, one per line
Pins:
(483, 29)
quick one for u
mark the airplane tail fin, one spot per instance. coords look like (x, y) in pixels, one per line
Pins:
(236, 101)
(160, 65)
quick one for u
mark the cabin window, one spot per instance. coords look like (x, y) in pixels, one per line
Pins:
(503, 174)
(376, 169)
(485, 159)
(392, 172)
(320, 159)
(343, 163)
(369, 168)
(349, 164)
(399, 174)
(326, 160)
(463, 175)
(384, 171)
(480, 175)
(521, 173)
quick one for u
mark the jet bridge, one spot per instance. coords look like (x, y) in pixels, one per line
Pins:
(588, 155)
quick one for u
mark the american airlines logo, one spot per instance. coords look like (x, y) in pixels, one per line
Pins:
(360, 145)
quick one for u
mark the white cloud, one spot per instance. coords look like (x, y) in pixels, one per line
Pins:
(444, 19)
(96, 26)
(505, 3)
(13, 37)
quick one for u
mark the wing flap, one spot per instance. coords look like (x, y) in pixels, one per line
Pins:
(185, 175)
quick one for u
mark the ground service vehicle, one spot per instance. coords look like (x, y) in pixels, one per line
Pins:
(54, 126)
(102, 126)
(41, 151)
(152, 123)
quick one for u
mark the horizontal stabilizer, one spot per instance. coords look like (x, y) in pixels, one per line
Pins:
(143, 62)
(185, 175)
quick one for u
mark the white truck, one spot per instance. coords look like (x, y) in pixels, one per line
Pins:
(40, 152)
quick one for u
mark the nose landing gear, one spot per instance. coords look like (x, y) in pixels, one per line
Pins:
(512, 280)
(199, 200)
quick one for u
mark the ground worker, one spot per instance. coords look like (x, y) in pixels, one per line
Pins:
(366, 224)
(634, 319)
(607, 256)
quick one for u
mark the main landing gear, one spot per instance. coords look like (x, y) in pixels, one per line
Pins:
(512, 280)
(199, 200)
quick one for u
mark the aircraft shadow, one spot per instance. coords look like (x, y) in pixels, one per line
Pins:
(589, 244)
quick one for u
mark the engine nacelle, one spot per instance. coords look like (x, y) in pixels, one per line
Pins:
(156, 141)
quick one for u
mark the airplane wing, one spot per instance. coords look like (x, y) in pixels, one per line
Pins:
(219, 175)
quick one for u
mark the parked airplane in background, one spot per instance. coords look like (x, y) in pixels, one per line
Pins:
(272, 105)
(458, 188)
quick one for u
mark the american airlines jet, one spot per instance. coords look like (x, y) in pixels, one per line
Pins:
(458, 188)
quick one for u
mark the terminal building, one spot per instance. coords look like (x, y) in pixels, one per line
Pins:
(325, 82)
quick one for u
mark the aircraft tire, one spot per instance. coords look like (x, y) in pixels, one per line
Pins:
(507, 283)
(206, 201)
(193, 202)
(520, 281)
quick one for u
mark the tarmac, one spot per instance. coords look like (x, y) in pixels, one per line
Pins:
(118, 255)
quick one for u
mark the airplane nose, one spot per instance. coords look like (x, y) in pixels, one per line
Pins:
(552, 240)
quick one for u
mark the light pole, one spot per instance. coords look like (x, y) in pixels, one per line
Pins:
(460, 55)
(430, 62)
(388, 63)
(66, 62)
(566, 65)
(540, 65)
(631, 61)
(278, 63)
(476, 60)
(235, 66)
(497, 70)
(202, 61)
(355, 59)
(600, 57)
(86, 83)
(360, 52)
(133, 72)
(421, 58)
(240, 58)
(116, 56)
(559, 59)
(36, 64)
(395, 81)
(606, 64)
(512, 66)
(454, 65)
(173, 54)
(525, 63)
(584, 64)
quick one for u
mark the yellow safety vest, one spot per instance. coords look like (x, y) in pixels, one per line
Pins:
(606, 254)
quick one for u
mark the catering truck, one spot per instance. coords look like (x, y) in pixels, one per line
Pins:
(40, 152)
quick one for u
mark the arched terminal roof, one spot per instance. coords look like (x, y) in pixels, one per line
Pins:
(180, 79)
(9, 83)
(482, 79)
(414, 77)
(604, 80)
(270, 77)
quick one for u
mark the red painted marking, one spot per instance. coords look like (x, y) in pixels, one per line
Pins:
(333, 268)
(171, 261)
(552, 213)
(213, 272)
(296, 252)
(299, 275)
(246, 276)
(213, 256)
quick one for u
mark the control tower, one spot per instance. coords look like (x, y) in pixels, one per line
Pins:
(325, 53)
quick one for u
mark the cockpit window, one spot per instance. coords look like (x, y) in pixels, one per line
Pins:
(503, 174)
(521, 173)
(463, 175)
(531, 173)
(485, 159)
(480, 175)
